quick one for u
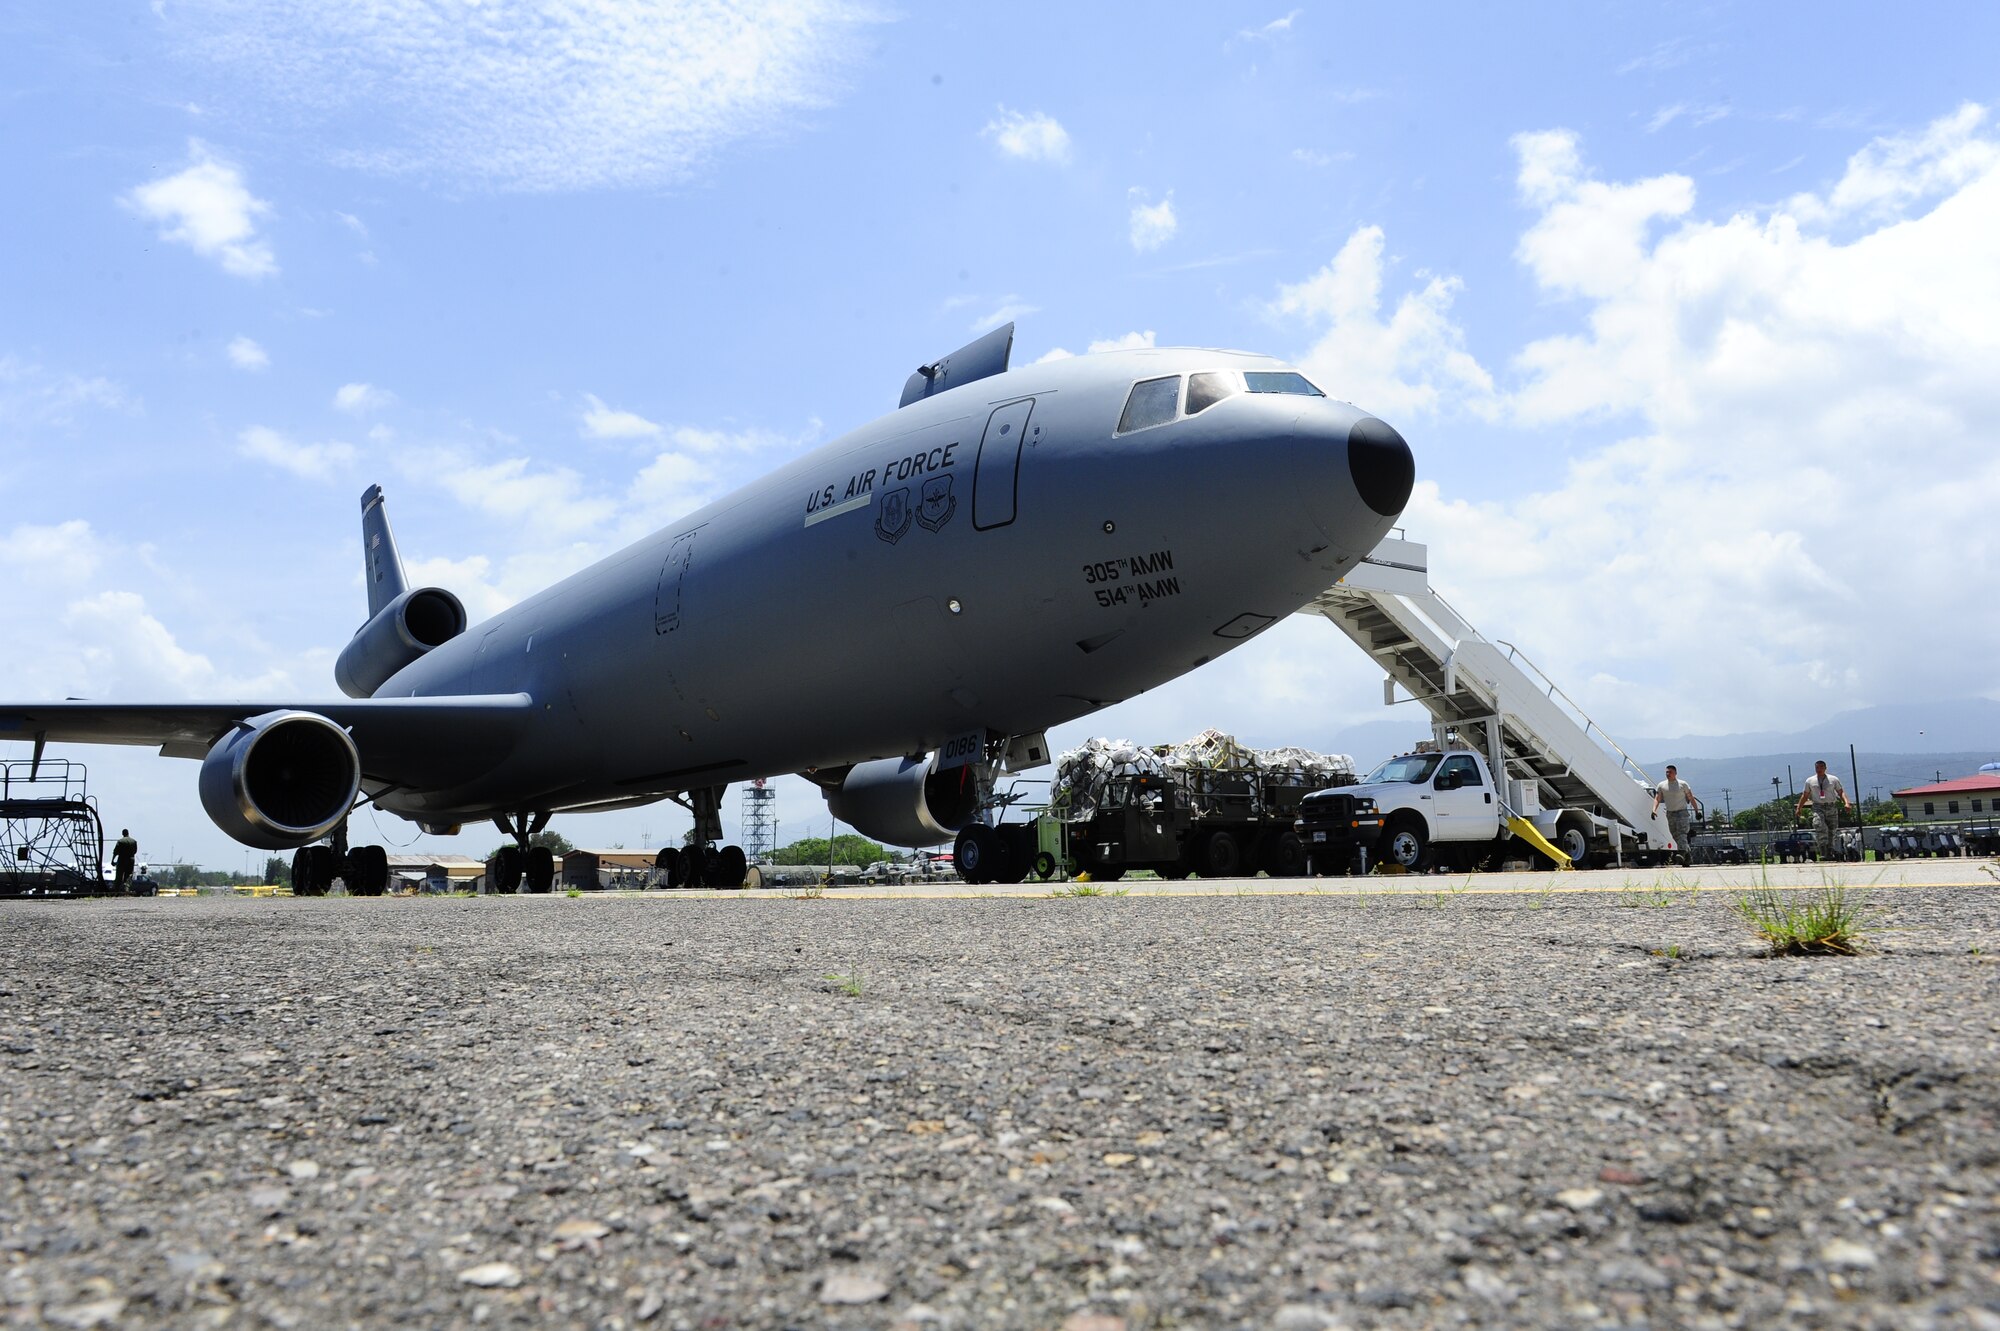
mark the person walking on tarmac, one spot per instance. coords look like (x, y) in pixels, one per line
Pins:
(123, 854)
(1681, 809)
(1827, 796)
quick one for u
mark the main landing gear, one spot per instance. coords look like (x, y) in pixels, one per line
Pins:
(522, 867)
(364, 869)
(702, 863)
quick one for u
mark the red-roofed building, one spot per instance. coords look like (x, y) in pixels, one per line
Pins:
(1962, 797)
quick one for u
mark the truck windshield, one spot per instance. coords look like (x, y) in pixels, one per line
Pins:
(1409, 767)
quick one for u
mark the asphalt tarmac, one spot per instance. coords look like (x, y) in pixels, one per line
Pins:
(1435, 1105)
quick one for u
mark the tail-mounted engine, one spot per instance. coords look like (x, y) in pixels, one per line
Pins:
(906, 801)
(281, 780)
(403, 630)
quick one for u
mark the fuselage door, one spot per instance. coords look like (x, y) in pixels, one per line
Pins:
(997, 474)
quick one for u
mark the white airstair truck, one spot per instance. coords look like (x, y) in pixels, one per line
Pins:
(1563, 785)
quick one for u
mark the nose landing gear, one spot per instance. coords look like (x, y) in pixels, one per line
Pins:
(522, 867)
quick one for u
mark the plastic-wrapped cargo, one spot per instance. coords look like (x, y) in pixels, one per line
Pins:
(1083, 773)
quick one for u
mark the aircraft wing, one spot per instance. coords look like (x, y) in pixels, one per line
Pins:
(412, 741)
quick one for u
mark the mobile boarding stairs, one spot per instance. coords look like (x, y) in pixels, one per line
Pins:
(1557, 768)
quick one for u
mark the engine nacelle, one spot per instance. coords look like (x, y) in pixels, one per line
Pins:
(281, 780)
(906, 801)
(406, 628)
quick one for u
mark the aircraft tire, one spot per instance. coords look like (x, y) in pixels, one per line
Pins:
(505, 870)
(1009, 864)
(539, 873)
(974, 853)
(1405, 842)
(306, 880)
(366, 869)
(731, 865)
(668, 862)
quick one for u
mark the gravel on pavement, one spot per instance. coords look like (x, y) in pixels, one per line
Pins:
(1085, 1113)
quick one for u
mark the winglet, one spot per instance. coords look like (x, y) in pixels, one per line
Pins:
(381, 565)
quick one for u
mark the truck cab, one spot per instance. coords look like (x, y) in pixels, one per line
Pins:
(1433, 798)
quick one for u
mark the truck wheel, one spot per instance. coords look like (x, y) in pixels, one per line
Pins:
(1574, 842)
(1286, 856)
(1405, 841)
(1220, 857)
(973, 853)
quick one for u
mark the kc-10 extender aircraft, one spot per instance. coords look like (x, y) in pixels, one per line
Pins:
(1024, 546)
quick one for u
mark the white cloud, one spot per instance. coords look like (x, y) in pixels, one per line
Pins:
(1010, 309)
(516, 94)
(354, 224)
(1794, 506)
(61, 552)
(32, 395)
(1277, 27)
(1153, 224)
(1413, 362)
(246, 354)
(1035, 138)
(208, 207)
(602, 422)
(1891, 175)
(1133, 341)
(315, 462)
(360, 399)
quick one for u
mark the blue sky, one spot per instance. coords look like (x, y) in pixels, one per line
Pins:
(1690, 314)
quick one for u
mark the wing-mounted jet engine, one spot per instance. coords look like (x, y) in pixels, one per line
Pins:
(403, 623)
(905, 801)
(281, 780)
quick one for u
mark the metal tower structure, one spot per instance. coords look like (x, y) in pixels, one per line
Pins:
(758, 830)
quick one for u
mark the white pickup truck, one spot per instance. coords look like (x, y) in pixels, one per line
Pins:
(1442, 808)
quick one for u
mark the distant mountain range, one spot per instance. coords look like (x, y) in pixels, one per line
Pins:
(1952, 727)
(1897, 745)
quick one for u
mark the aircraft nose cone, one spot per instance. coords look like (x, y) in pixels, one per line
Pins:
(1381, 465)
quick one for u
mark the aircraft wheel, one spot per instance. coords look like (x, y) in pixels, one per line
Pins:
(668, 862)
(1286, 856)
(305, 879)
(504, 870)
(366, 869)
(1221, 857)
(731, 865)
(538, 872)
(974, 853)
(1045, 865)
(1406, 842)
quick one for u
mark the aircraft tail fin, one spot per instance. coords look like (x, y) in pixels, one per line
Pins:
(382, 565)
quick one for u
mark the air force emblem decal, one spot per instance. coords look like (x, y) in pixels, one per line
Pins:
(939, 503)
(892, 522)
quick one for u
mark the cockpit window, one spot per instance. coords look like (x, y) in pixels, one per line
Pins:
(1153, 402)
(1279, 381)
(1207, 389)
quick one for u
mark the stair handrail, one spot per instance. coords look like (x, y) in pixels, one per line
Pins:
(1590, 727)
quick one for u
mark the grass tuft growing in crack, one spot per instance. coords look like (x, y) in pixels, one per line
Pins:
(848, 983)
(1826, 922)
(1089, 890)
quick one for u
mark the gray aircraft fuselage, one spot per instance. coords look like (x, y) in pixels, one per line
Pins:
(994, 557)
